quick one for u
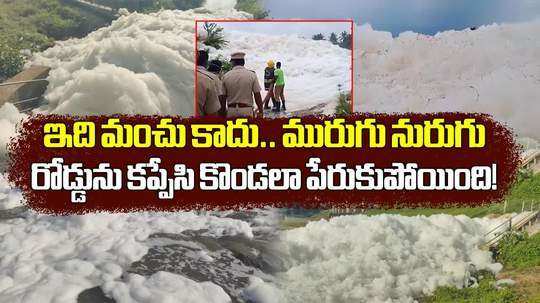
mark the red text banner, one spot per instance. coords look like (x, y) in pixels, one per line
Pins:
(65, 164)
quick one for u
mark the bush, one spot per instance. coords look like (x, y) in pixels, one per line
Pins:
(56, 26)
(344, 40)
(344, 104)
(318, 37)
(484, 292)
(225, 64)
(253, 7)
(334, 39)
(518, 250)
(11, 60)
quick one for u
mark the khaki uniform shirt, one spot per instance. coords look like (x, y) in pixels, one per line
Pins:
(219, 86)
(207, 92)
(239, 85)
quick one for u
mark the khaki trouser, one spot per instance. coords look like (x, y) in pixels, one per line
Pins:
(279, 93)
(239, 112)
(270, 95)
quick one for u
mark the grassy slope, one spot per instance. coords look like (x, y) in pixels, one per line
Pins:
(527, 283)
(36, 24)
(520, 255)
(484, 292)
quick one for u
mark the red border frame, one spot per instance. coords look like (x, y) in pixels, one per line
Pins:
(351, 21)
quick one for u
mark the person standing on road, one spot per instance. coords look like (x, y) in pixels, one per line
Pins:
(269, 81)
(279, 91)
(241, 88)
(207, 91)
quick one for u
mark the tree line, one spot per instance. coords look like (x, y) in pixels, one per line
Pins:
(344, 39)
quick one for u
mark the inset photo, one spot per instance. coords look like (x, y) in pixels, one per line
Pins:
(273, 68)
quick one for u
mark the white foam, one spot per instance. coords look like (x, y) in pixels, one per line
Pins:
(262, 292)
(165, 287)
(53, 259)
(381, 258)
(314, 70)
(141, 64)
(9, 198)
(217, 5)
(494, 69)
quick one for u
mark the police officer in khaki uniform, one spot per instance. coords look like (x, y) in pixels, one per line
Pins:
(207, 88)
(241, 88)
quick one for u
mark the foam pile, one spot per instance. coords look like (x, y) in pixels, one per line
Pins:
(9, 198)
(165, 287)
(494, 69)
(141, 64)
(381, 258)
(53, 259)
(220, 5)
(314, 70)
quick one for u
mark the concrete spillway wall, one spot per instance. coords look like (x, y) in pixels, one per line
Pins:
(26, 87)
(102, 11)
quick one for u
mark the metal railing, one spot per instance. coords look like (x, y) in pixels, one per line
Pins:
(515, 223)
(26, 100)
(23, 82)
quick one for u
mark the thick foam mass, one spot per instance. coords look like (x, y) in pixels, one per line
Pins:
(494, 69)
(216, 5)
(314, 70)
(381, 258)
(9, 198)
(165, 287)
(53, 259)
(141, 64)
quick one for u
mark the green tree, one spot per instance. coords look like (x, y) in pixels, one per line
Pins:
(345, 40)
(214, 36)
(334, 39)
(318, 37)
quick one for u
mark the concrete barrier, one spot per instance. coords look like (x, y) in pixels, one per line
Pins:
(25, 87)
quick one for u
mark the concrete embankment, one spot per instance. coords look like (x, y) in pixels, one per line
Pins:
(25, 90)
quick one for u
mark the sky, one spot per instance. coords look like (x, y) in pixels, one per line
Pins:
(422, 16)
